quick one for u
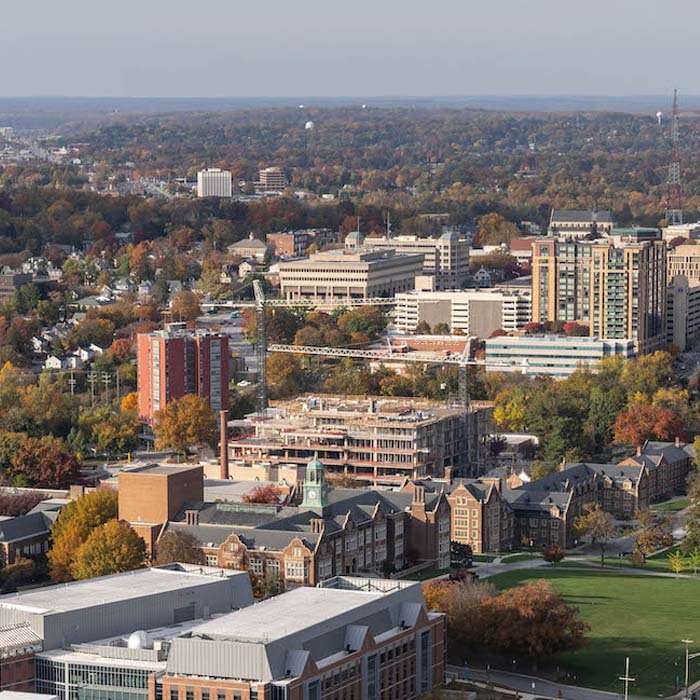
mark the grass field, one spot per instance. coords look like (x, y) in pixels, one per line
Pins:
(642, 617)
(672, 506)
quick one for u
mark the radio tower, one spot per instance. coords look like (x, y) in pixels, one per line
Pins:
(674, 203)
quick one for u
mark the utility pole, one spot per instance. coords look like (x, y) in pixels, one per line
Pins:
(687, 643)
(106, 380)
(674, 202)
(71, 382)
(92, 378)
(626, 678)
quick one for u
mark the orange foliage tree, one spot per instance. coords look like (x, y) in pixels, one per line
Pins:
(644, 422)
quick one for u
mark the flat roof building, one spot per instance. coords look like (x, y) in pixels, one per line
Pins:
(335, 640)
(474, 312)
(82, 611)
(553, 355)
(349, 274)
(445, 257)
(214, 182)
(178, 361)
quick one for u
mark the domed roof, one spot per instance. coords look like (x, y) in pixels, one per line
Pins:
(137, 640)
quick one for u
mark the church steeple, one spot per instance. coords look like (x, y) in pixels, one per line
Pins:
(315, 487)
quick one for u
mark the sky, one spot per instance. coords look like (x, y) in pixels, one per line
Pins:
(215, 48)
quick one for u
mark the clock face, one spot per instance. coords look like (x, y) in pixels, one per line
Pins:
(311, 493)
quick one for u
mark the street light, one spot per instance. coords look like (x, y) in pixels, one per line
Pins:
(687, 643)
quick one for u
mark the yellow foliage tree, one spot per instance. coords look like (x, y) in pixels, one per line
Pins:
(111, 548)
(129, 403)
(73, 527)
(185, 423)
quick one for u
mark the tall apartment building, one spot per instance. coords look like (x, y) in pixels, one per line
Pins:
(271, 179)
(176, 361)
(378, 440)
(351, 638)
(445, 257)
(618, 291)
(474, 312)
(349, 274)
(213, 182)
(682, 311)
(574, 223)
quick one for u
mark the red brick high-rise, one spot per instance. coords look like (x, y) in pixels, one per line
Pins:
(178, 361)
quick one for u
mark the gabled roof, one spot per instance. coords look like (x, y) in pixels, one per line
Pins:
(25, 527)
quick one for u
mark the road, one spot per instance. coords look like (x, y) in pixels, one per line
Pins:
(538, 687)
(236, 341)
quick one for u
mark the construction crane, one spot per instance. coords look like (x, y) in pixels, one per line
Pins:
(462, 360)
(262, 349)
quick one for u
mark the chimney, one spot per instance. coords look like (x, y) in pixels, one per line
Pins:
(639, 450)
(448, 475)
(678, 441)
(223, 445)
(192, 517)
(418, 504)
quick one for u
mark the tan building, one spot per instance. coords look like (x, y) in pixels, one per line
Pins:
(377, 440)
(445, 257)
(618, 291)
(271, 179)
(684, 260)
(682, 312)
(345, 274)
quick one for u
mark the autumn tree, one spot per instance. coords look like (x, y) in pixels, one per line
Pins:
(284, 375)
(185, 423)
(184, 306)
(118, 434)
(44, 463)
(267, 493)
(493, 229)
(73, 526)
(534, 621)
(538, 469)
(178, 546)
(111, 548)
(640, 423)
(553, 554)
(597, 524)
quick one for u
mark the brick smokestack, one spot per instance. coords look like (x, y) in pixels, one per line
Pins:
(223, 444)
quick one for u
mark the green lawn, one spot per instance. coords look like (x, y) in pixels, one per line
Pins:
(672, 506)
(637, 616)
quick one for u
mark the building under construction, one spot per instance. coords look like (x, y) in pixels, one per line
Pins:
(380, 440)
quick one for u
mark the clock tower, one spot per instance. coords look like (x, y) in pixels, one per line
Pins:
(315, 487)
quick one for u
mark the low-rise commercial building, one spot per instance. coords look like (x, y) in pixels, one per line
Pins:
(553, 355)
(271, 180)
(349, 638)
(345, 274)
(445, 257)
(474, 312)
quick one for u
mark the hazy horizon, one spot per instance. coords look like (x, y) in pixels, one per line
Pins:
(450, 48)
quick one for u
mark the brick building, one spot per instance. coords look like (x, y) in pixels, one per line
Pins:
(176, 361)
(19, 645)
(331, 532)
(350, 638)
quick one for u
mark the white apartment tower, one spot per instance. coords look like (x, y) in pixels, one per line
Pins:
(213, 182)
